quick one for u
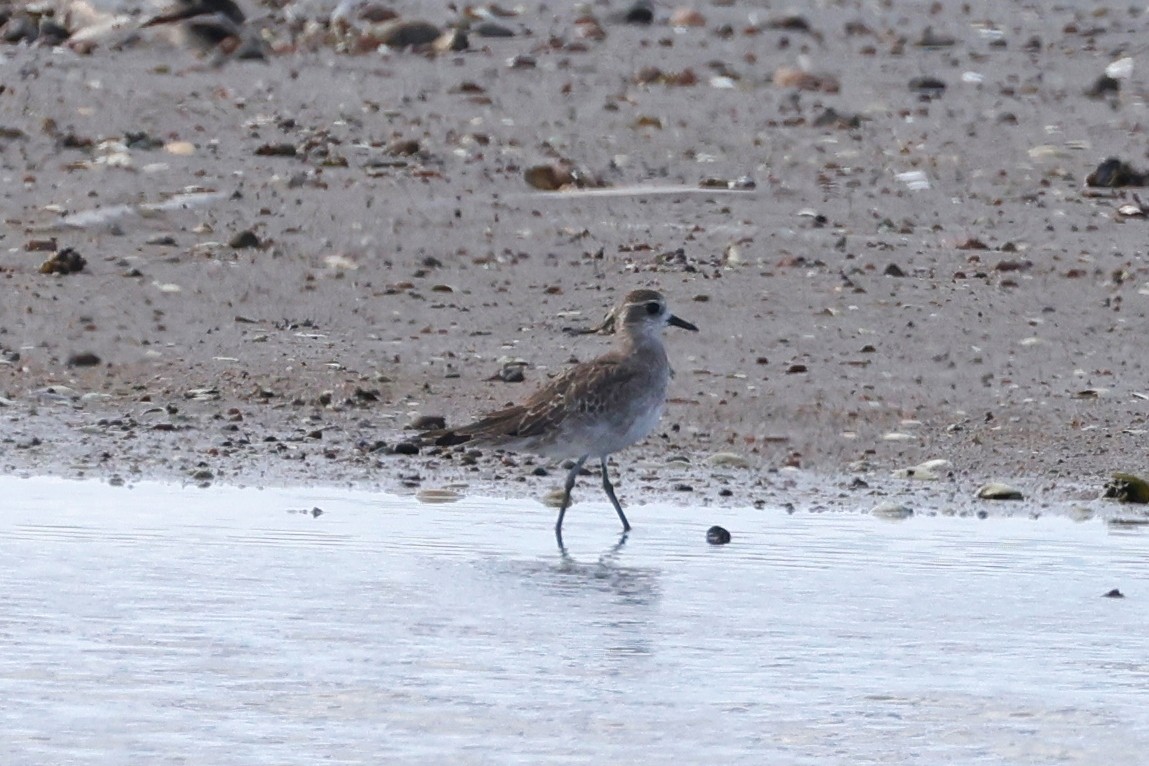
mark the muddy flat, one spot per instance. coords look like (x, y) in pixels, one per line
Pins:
(878, 216)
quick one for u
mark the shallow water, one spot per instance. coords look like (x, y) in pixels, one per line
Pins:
(161, 624)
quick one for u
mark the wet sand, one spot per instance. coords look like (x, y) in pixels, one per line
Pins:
(930, 280)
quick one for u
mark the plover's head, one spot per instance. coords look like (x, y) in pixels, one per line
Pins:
(644, 311)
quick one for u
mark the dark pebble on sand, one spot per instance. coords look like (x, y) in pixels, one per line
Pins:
(642, 12)
(405, 33)
(928, 87)
(406, 448)
(717, 536)
(1115, 593)
(83, 359)
(491, 29)
(245, 239)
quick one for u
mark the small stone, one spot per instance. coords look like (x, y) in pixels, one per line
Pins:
(41, 245)
(276, 150)
(243, 240)
(800, 79)
(428, 423)
(641, 12)
(687, 17)
(400, 33)
(927, 471)
(180, 148)
(403, 147)
(892, 511)
(717, 536)
(83, 359)
(492, 29)
(431, 495)
(21, 27)
(999, 491)
(928, 87)
(894, 270)
(727, 460)
(406, 448)
(1115, 593)
(932, 39)
(549, 177)
(554, 498)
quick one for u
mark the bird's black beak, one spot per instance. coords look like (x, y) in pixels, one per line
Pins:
(681, 323)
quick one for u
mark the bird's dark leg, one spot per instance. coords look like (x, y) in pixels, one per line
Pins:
(610, 493)
(567, 496)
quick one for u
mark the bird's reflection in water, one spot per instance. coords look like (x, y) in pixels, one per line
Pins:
(607, 573)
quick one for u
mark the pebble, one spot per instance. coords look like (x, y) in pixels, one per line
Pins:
(401, 33)
(431, 495)
(549, 177)
(927, 87)
(717, 535)
(491, 29)
(687, 17)
(999, 491)
(727, 460)
(800, 79)
(243, 240)
(641, 12)
(428, 423)
(893, 511)
(554, 499)
(1115, 593)
(83, 359)
(927, 471)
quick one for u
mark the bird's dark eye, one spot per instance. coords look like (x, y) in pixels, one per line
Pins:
(653, 308)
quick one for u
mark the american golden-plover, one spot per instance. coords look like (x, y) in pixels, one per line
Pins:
(592, 409)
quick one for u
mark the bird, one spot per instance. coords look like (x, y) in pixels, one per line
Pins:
(592, 409)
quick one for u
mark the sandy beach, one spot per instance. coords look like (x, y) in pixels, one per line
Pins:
(879, 219)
